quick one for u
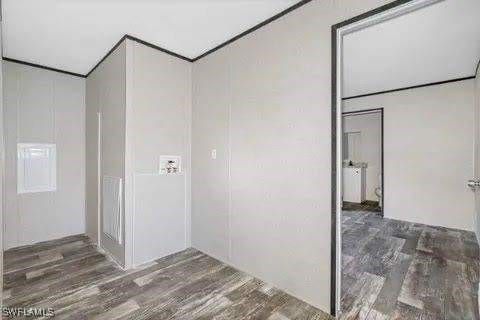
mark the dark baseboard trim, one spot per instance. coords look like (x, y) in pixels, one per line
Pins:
(145, 43)
(408, 88)
(106, 55)
(151, 45)
(254, 28)
(42, 67)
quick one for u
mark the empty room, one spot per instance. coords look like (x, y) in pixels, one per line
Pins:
(267, 159)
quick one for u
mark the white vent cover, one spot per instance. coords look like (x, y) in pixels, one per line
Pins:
(36, 167)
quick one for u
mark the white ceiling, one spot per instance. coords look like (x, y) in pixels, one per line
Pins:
(73, 35)
(433, 44)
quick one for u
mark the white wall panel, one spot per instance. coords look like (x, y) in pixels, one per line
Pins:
(160, 125)
(210, 177)
(105, 94)
(267, 99)
(45, 107)
(159, 216)
(428, 151)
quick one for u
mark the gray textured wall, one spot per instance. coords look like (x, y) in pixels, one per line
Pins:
(43, 106)
(263, 102)
(105, 93)
(428, 153)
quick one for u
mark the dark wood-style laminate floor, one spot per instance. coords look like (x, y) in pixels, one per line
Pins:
(397, 270)
(372, 206)
(78, 282)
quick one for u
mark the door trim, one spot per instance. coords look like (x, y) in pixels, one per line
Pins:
(382, 143)
(99, 180)
(375, 16)
(409, 88)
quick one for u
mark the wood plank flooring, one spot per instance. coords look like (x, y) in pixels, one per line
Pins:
(398, 270)
(78, 282)
(391, 270)
(368, 205)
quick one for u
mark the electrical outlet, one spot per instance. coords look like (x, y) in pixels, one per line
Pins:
(214, 154)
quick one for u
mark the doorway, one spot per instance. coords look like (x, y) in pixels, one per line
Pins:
(409, 256)
(363, 161)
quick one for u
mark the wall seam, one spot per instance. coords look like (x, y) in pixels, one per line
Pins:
(18, 102)
(129, 168)
(53, 195)
(188, 180)
(229, 150)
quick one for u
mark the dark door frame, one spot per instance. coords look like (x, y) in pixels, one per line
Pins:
(382, 142)
(334, 29)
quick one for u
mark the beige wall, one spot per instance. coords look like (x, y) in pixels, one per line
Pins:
(370, 127)
(105, 93)
(158, 123)
(210, 178)
(428, 152)
(144, 97)
(92, 95)
(44, 107)
(263, 102)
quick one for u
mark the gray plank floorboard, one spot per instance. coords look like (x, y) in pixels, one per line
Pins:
(408, 270)
(391, 270)
(78, 282)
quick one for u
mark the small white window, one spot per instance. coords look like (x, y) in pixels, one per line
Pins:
(36, 167)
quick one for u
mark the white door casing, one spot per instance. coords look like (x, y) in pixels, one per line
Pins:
(355, 26)
(476, 153)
